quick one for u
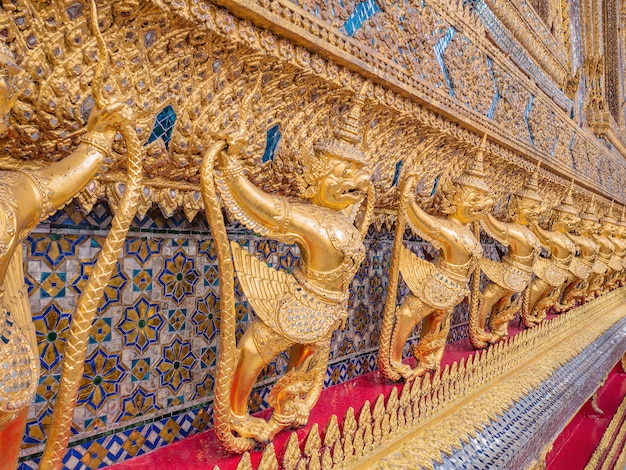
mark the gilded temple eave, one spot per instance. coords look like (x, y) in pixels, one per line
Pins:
(382, 68)
(513, 115)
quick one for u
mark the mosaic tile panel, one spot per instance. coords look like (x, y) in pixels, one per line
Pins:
(153, 348)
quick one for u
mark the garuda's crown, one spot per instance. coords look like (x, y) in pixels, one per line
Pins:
(474, 174)
(530, 190)
(346, 141)
(567, 205)
(590, 212)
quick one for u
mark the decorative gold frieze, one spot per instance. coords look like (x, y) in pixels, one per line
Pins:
(546, 47)
(455, 404)
(302, 91)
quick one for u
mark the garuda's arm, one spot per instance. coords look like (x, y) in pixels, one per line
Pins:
(426, 226)
(39, 193)
(544, 236)
(496, 229)
(264, 213)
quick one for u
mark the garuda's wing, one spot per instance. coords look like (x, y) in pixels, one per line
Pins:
(505, 275)
(414, 269)
(264, 286)
(18, 339)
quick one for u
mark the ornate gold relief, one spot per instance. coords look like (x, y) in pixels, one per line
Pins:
(201, 85)
(28, 197)
(296, 312)
(602, 271)
(582, 266)
(544, 38)
(197, 60)
(508, 290)
(552, 273)
(436, 287)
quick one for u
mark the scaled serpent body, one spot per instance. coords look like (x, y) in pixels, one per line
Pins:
(228, 345)
(394, 272)
(76, 345)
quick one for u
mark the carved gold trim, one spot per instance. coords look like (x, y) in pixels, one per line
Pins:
(430, 416)
(410, 105)
(610, 130)
(396, 89)
(517, 17)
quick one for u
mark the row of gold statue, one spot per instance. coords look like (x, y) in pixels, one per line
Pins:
(299, 311)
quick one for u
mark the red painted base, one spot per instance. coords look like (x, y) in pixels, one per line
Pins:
(11, 439)
(203, 451)
(577, 442)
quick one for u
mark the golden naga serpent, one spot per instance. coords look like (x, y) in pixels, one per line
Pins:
(228, 345)
(76, 345)
(392, 290)
(474, 328)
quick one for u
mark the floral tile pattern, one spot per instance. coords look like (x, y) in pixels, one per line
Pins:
(179, 277)
(153, 349)
(141, 324)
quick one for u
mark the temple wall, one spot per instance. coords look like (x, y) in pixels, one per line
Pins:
(162, 307)
(444, 71)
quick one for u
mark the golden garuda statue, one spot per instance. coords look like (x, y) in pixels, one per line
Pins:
(601, 270)
(621, 230)
(297, 312)
(26, 198)
(616, 263)
(501, 298)
(552, 273)
(437, 287)
(583, 263)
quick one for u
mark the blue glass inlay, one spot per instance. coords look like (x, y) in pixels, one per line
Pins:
(435, 185)
(362, 12)
(272, 138)
(163, 126)
(396, 174)
(496, 96)
(526, 114)
(571, 142)
(556, 141)
(440, 48)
